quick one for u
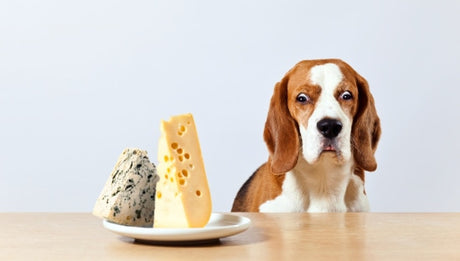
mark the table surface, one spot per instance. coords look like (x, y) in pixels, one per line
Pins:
(284, 236)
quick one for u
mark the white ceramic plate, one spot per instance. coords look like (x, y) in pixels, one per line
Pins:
(219, 226)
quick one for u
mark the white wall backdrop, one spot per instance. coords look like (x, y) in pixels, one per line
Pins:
(82, 80)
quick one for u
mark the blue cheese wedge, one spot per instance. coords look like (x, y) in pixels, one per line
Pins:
(128, 197)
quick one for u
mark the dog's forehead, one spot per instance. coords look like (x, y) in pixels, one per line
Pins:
(322, 73)
(326, 75)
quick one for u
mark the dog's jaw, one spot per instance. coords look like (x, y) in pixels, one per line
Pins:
(314, 146)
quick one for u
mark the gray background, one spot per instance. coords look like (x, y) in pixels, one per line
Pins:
(82, 80)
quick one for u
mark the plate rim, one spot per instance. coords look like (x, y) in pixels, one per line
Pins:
(236, 224)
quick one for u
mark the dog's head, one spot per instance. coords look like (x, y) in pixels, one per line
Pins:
(322, 108)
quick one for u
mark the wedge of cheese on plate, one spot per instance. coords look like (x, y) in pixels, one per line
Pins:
(128, 197)
(183, 199)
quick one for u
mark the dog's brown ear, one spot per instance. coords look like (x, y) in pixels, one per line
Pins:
(281, 132)
(366, 128)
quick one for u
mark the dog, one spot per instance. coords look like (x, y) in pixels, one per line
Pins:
(321, 132)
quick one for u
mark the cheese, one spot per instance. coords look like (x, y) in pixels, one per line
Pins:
(128, 196)
(183, 198)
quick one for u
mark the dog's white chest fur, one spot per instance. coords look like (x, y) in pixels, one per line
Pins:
(318, 188)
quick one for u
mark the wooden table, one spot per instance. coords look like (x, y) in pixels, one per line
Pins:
(295, 236)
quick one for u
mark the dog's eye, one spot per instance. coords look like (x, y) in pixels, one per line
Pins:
(303, 98)
(346, 95)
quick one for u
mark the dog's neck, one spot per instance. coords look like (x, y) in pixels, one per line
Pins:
(323, 184)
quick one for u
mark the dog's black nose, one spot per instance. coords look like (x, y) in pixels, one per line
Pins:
(329, 128)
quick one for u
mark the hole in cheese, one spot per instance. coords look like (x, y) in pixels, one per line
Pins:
(158, 194)
(179, 151)
(185, 173)
(191, 166)
(187, 156)
(166, 158)
(182, 128)
(174, 145)
(182, 182)
(181, 158)
(198, 193)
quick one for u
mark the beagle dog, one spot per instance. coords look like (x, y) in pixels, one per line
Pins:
(321, 131)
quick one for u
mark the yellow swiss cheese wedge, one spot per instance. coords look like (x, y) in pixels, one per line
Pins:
(183, 198)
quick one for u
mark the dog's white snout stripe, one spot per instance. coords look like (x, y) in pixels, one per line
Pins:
(327, 77)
